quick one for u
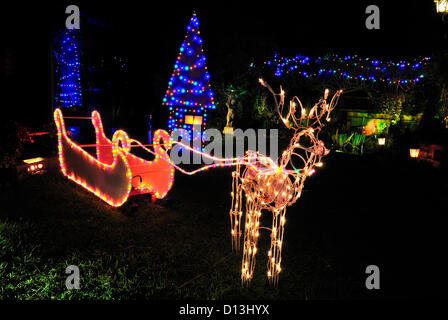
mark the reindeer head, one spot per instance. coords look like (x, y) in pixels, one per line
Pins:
(306, 125)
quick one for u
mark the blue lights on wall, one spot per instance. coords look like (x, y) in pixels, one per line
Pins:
(68, 69)
(189, 95)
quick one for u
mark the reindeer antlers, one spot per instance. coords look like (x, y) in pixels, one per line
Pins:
(304, 120)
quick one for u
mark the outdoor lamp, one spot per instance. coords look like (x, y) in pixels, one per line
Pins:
(35, 165)
(381, 141)
(414, 153)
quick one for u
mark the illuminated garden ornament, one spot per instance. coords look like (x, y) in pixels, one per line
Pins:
(115, 173)
(414, 153)
(231, 101)
(189, 95)
(110, 182)
(35, 165)
(441, 6)
(273, 187)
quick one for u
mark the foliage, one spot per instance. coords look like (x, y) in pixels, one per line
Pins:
(438, 105)
(443, 105)
(376, 126)
(349, 142)
(267, 117)
(357, 140)
(391, 106)
(260, 105)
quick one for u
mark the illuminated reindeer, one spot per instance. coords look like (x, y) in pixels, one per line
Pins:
(273, 187)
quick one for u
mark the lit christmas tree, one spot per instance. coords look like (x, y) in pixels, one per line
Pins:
(189, 95)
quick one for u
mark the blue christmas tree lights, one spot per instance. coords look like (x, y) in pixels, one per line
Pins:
(189, 95)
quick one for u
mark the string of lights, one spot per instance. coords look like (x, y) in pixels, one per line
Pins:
(109, 182)
(155, 177)
(189, 95)
(350, 67)
(110, 175)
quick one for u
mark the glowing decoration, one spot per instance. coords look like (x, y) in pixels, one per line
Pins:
(381, 141)
(155, 177)
(68, 69)
(441, 6)
(375, 126)
(110, 176)
(110, 182)
(35, 165)
(193, 120)
(189, 95)
(273, 187)
(430, 153)
(228, 130)
(350, 68)
(414, 153)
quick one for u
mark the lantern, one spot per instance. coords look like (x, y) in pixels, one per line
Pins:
(381, 141)
(35, 165)
(414, 153)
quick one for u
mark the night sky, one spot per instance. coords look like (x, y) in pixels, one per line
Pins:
(234, 35)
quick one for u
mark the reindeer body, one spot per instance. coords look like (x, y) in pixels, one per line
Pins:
(273, 187)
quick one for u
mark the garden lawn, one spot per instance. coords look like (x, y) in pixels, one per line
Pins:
(354, 211)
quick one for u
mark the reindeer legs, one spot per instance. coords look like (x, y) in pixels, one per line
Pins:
(251, 234)
(236, 210)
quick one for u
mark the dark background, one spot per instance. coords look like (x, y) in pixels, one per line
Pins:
(148, 37)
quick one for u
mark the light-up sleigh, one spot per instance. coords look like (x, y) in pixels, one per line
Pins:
(115, 173)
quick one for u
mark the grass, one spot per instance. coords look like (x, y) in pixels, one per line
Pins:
(181, 248)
